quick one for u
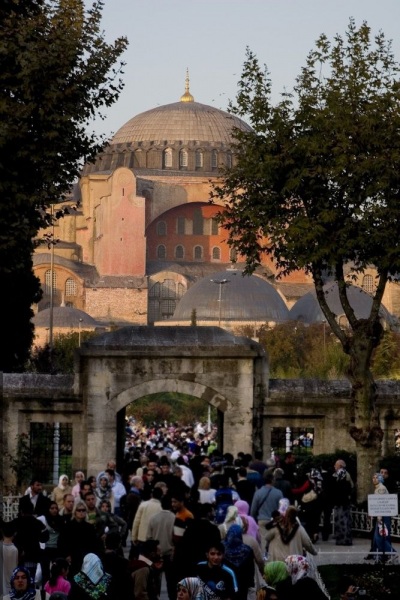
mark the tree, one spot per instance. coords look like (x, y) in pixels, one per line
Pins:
(56, 74)
(316, 187)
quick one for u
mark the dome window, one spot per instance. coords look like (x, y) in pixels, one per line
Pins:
(199, 159)
(179, 252)
(161, 252)
(197, 252)
(183, 159)
(214, 227)
(216, 253)
(48, 281)
(70, 287)
(214, 160)
(167, 155)
(229, 160)
(161, 228)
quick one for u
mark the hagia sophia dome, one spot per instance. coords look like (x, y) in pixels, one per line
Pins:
(186, 125)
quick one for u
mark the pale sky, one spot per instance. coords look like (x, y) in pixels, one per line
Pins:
(210, 38)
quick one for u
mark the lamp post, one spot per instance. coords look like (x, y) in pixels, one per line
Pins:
(323, 324)
(79, 332)
(220, 282)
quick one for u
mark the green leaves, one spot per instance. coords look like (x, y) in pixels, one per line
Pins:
(56, 73)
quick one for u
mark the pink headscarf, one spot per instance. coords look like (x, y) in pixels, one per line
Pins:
(243, 509)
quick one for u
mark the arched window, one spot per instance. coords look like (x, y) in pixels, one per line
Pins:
(48, 281)
(216, 253)
(229, 160)
(162, 300)
(214, 159)
(161, 252)
(198, 222)
(214, 227)
(167, 158)
(179, 252)
(70, 287)
(368, 284)
(180, 225)
(198, 252)
(161, 228)
(183, 158)
(199, 159)
(233, 255)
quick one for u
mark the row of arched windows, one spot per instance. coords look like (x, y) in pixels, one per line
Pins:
(198, 159)
(198, 252)
(197, 225)
(70, 288)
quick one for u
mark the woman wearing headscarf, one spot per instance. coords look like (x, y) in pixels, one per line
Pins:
(191, 588)
(23, 586)
(91, 583)
(60, 490)
(252, 527)
(288, 536)
(341, 500)
(276, 575)
(103, 490)
(306, 581)
(240, 558)
(381, 543)
(79, 476)
(231, 518)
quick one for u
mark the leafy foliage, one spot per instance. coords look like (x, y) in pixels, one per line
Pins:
(21, 463)
(316, 186)
(61, 358)
(171, 407)
(56, 74)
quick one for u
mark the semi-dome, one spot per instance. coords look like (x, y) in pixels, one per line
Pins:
(308, 310)
(233, 297)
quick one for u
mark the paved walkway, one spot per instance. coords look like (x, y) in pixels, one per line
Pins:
(329, 553)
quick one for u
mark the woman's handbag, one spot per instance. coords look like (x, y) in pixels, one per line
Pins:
(382, 529)
(309, 497)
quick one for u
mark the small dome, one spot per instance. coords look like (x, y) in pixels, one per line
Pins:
(307, 308)
(247, 298)
(64, 316)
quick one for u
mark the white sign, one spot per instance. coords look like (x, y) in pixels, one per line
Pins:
(383, 505)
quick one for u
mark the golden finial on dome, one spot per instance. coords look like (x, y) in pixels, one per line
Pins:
(187, 96)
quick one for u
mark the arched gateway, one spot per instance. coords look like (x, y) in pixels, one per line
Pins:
(115, 369)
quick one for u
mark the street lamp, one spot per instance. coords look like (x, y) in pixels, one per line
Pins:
(220, 282)
(79, 333)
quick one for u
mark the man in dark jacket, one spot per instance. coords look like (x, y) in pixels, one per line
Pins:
(35, 498)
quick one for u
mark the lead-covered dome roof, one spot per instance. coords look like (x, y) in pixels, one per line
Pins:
(247, 298)
(185, 126)
(307, 309)
(180, 122)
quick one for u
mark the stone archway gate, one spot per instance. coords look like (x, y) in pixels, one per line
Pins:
(115, 369)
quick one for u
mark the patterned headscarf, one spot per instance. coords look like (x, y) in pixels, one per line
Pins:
(236, 551)
(275, 572)
(194, 586)
(92, 578)
(340, 474)
(30, 592)
(297, 566)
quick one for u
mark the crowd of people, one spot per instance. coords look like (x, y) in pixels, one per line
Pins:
(218, 527)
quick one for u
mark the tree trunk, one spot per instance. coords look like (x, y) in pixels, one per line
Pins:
(365, 426)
